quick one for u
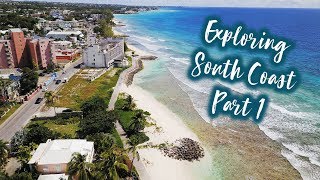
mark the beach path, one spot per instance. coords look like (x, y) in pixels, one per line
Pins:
(143, 174)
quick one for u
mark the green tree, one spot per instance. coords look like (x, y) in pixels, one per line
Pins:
(129, 104)
(96, 122)
(93, 105)
(3, 154)
(102, 142)
(18, 140)
(138, 122)
(28, 81)
(133, 149)
(4, 84)
(22, 176)
(24, 153)
(39, 134)
(50, 99)
(110, 162)
(78, 168)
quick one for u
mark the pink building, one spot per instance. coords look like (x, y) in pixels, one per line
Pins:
(19, 52)
(42, 52)
(6, 55)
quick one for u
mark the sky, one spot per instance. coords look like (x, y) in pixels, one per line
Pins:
(204, 3)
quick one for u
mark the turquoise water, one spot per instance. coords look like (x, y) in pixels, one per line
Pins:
(293, 120)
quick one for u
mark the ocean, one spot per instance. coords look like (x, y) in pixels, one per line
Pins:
(172, 34)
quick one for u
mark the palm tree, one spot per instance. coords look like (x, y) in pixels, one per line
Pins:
(3, 154)
(133, 149)
(109, 163)
(78, 168)
(138, 122)
(129, 103)
(50, 98)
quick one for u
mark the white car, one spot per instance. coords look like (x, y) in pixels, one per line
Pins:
(44, 89)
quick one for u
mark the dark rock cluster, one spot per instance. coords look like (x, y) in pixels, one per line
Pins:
(131, 74)
(148, 58)
(184, 149)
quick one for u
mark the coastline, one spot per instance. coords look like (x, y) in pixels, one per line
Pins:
(168, 128)
(239, 150)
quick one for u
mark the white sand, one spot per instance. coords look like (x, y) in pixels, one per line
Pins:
(171, 128)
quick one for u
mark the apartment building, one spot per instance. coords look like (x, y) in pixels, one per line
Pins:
(17, 51)
(105, 53)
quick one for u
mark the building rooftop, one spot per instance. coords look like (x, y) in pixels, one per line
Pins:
(60, 151)
(15, 30)
(64, 33)
(53, 177)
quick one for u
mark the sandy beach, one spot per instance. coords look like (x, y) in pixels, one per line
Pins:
(169, 127)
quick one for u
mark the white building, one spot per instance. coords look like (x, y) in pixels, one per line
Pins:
(53, 177)
(53, 156)
(104, 54)
(63, 45)
(62, 35)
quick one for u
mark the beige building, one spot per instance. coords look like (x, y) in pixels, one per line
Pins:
(53, 156)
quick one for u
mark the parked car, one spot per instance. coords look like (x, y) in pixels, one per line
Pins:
(58, 81)
(44, 89)
(65, 80)
(38, 101)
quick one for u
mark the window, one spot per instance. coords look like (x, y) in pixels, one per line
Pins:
(58, 168)
(45, 169)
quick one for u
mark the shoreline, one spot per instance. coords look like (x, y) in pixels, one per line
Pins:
(224, 153)
(169, 127)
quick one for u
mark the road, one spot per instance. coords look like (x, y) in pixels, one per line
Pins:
(23, 115)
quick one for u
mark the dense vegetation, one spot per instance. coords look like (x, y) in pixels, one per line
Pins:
(28, 81)
(132, 120)
(104, 27)
(14, 20)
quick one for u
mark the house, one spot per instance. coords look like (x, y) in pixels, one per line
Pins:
(64, 35)
(63, 45)
(105, 53)
(66, 55)
(53, 156)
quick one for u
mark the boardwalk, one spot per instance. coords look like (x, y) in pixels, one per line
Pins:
(121, 81)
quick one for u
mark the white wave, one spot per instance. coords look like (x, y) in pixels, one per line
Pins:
(307, 170)
(179, 58)
(295, 114)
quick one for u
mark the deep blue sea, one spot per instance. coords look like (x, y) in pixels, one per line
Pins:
(291, 119)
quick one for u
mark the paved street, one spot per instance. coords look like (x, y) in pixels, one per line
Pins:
(23, 115)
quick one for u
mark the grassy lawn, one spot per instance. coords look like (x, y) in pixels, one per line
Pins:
(66, 127)
(11, 111)
(77, 90)
(125, 119)
(69, 127)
